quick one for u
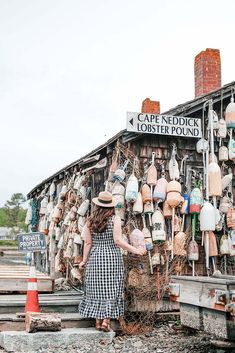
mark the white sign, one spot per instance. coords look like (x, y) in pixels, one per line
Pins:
(164, 124)
(31, 241)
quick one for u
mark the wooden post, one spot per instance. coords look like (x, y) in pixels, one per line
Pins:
(42, 322)
(52, 259)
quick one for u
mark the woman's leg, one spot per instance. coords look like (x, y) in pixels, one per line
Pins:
(106, 325)
(98, 323)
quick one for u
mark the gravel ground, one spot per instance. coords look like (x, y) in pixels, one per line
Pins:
(164, 339)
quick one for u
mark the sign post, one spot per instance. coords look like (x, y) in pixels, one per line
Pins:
(164, 125)
(31, 242)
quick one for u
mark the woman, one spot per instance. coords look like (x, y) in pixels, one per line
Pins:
(103, 290)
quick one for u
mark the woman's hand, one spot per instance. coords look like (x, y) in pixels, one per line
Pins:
(82, 265)
(140, 252)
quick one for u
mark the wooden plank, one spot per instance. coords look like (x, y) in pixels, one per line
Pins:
(20, 285)
(14, 279)
(23, 275)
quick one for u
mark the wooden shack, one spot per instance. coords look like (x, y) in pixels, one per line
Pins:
(131, 146)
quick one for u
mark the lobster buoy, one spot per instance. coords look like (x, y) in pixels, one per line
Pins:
(179, 244)
(146, 231)
(213, 249)
(231, 146)
(81, 223)
(174, 193)
(50, 207)
(202, 145)
(230, 114)
(118, 195)
(224, 245)
(52, 189)
(167, 210)
(83, 208)
(207, 217)
(152, 173)
(231, 218)
(73, 213)
(222, 130)
(131, 189)
(231, 241)
(185, 206)
(43, 206)
(215, 182)
(57, 214)
(120, 174)
(78, 181)
(223, 154)
(159, 193)
(57, 233)
(137, 239)
(193, 251)
(63, 190)
(146, 193)
(118, 189)
(173, 165)
(225, 204)
(158, 221)
(138, 205)
(227, 179)
(195, 201)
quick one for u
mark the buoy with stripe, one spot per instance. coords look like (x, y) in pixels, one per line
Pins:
(32, 292)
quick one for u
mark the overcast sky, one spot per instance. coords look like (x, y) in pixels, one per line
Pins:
(69, 71)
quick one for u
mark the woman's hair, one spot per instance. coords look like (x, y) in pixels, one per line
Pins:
(98, 220)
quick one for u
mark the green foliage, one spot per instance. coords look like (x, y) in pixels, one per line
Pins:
(12, 214)
(3, 217)
(11, 243)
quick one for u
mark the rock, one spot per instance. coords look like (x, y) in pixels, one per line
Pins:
(137, 344)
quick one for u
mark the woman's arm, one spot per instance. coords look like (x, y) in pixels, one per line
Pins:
(117, 235)
(87, 246)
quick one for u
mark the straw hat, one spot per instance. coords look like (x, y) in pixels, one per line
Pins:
(104, 199)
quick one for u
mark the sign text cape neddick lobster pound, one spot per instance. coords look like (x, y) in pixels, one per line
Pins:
(164, 124)
(31, 242)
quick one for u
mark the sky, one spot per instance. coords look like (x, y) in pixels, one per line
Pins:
(71, 69)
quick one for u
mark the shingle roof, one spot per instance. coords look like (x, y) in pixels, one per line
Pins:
(187, 108)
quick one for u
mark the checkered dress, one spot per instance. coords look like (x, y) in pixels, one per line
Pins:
(103, 292)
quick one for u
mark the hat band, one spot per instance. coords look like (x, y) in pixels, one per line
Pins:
(105, 201)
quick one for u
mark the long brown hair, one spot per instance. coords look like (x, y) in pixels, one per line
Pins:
(98, 220)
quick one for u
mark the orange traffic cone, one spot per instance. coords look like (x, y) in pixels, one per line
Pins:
(32, 292)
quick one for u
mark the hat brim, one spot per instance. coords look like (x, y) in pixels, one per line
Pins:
(97, 202)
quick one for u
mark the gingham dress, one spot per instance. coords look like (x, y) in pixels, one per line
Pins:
(103, 291)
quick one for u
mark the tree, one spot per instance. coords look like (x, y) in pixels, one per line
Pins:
(14, 212)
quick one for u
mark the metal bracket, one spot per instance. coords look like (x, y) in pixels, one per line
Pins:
(221, 297)
(174, 289)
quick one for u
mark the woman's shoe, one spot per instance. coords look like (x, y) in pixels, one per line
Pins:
(106, 326)
(98, 324)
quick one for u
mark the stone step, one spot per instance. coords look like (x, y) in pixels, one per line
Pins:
(21, 341)
(61, 302)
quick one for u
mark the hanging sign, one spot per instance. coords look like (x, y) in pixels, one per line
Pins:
(164, 124)
(31, 242)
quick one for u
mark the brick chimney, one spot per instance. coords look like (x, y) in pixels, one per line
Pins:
(149, 106)
(207, 71)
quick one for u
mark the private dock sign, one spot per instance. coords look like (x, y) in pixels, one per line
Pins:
(164, 124)
(31, 242)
